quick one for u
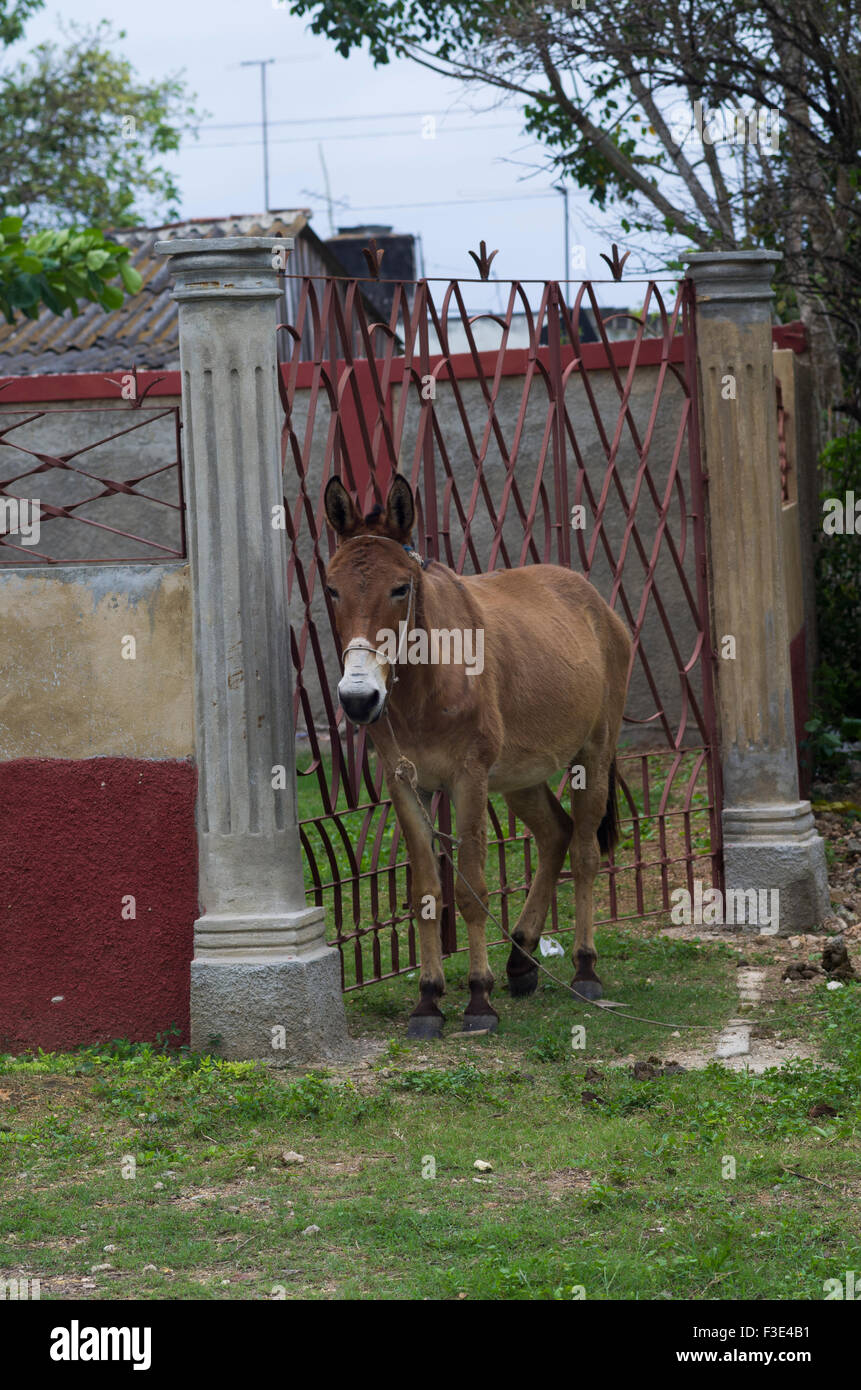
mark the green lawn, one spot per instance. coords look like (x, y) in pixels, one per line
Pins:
(623, 1194)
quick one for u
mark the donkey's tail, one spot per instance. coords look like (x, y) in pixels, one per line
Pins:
(608, 830)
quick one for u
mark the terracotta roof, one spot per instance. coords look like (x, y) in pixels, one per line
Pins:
(143, 333)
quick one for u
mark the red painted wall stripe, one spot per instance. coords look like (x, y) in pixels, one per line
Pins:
(85, 386)
(102, 386)
(78, 836)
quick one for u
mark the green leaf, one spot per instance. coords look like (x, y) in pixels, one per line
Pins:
(96, 259)
(111, 297)
(24, 290)
(131, 278)
(11, 226)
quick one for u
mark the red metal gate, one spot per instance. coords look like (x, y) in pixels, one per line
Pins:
(581, 453)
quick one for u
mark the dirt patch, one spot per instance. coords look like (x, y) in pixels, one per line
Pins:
(231, 1197)
(776, 967)
(745, 1044)
(566, 1180)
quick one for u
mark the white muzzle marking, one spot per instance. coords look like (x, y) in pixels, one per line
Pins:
(362, 688)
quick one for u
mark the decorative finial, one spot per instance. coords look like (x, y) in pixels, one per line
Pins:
(373, 256)
(483, 261)
(616, 265)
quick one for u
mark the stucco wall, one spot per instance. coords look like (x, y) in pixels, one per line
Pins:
(97, 795)
(80, 839)
(66, 689)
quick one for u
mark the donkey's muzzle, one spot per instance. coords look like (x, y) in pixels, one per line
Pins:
(362, 688)
(364, 707)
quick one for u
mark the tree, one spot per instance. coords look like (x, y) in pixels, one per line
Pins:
(81, 143)
(81, 137)
(632, 102)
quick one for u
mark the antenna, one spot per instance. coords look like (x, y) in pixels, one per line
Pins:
(560, 188)
(328, 190)
(262, 64)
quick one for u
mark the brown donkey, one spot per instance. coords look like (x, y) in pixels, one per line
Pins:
(538, 684)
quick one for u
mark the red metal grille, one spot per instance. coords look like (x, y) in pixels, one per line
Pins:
(130, 475)
(499, 446)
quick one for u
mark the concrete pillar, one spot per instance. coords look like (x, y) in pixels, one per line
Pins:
(769, 836)
(263, 980)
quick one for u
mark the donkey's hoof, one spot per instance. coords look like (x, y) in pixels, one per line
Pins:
(425, 1026)
(587, 989)
(480, 1023)
(524, 983)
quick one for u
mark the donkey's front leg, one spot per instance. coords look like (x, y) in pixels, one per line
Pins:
(426, 1019)
(470, 805)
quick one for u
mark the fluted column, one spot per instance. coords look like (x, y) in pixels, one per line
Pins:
(260, 958)
(770, 840)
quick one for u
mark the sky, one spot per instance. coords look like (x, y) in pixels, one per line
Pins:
(402, 146)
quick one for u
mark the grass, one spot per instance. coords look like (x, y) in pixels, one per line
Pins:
(623, 1195)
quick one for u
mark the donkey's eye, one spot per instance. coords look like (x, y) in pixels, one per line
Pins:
(333, 593)
(401, 591)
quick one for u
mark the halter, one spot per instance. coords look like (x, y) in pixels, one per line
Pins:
(362, 643)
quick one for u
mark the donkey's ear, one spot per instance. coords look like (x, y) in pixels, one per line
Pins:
(400, 510)
(340, 511)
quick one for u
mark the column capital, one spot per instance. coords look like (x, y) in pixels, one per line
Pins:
(231, 267)
(734, 284)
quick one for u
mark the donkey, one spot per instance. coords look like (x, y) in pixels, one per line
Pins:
(550, 695)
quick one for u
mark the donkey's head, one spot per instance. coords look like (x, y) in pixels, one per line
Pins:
(371, 582)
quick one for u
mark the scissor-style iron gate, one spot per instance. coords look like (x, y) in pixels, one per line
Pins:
(524, 443)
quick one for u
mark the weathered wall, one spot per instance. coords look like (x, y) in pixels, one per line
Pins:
(799, 514)
(66, 689)
(792, 371)
(97, 795)
(78, 837)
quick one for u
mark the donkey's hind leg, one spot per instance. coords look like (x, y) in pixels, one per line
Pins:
(594, 828)
(552, 827)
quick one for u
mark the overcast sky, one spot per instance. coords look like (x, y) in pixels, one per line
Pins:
(470, 181)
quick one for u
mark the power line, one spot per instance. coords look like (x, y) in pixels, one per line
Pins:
(364, 135)
(448, 202)
(330, 120)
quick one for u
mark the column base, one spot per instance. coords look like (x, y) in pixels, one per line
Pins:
(777, 847)
(277, 1009)
(269, 933)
